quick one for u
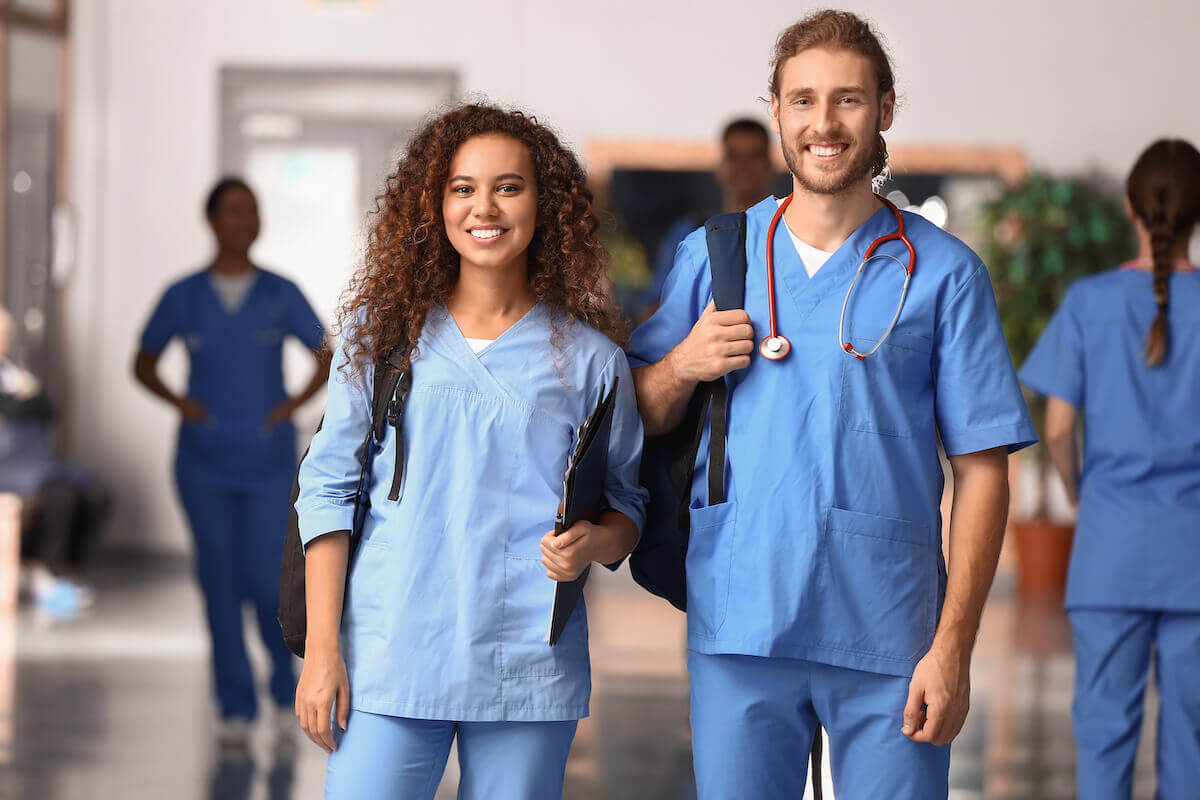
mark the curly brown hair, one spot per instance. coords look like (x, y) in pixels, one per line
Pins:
(410, 265)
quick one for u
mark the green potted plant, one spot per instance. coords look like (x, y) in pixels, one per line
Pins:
(1037, 239)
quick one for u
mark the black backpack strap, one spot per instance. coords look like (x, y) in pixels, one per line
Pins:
(390, 392)
(395, 411)
(726, 238)
(815, 756)
(387, 374)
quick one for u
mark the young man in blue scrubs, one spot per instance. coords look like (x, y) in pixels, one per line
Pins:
(237, 445)
(817, 593)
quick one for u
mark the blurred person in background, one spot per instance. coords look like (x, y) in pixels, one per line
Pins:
(236, 450)
(744, 175)
(485, 255)
(1122, 356)
(817, 592)
(64, 506)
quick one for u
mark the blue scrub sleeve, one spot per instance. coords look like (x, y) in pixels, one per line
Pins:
(329, 474)
(622, 491)
(688, 289)
(165, 323)
(977, 398)
(302, 321)
(1055, 366)
(664, 261)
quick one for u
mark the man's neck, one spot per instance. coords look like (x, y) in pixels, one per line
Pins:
(731, 204)
(824, 221)
(230, 264)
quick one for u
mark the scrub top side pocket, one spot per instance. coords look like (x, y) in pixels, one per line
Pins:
(709, 562)
(367, 607)
(525, 650)
(880, 575)
(886, 393)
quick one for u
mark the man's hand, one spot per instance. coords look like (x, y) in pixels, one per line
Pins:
(939, 696)
(567, 555)
(720, 342)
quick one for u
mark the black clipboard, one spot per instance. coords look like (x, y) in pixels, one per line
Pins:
(583, 497)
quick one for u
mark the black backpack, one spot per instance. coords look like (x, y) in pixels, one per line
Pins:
(669, 460)
(388, 395)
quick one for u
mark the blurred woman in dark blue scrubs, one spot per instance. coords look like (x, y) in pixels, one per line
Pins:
(237, 446)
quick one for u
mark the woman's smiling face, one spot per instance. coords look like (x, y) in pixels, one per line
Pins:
(490, 201)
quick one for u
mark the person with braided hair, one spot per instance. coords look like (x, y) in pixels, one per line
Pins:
(1124, 348)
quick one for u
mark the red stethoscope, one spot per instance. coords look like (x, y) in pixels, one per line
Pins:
(776, 346)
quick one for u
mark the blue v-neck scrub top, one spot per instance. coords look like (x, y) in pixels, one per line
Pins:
(1137, 538)
(829, 545)
(236, 373)
(448, 607)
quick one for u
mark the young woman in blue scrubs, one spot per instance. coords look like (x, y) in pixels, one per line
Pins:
(237, 445)
(485, 254)
(1124, 348)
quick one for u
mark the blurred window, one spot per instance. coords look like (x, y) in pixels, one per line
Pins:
(33, 49)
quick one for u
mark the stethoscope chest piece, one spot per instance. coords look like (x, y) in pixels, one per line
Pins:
(774, 347)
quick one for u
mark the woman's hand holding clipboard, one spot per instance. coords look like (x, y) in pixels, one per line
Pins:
(583, 499)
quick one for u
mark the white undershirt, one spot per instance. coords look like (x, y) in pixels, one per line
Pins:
(812, 258)
(232, 289)
(478, 344)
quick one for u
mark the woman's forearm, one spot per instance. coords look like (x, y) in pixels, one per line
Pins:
(325, 561)
(616, 535)
(1062, 444)
(145, 369)
(319, 377)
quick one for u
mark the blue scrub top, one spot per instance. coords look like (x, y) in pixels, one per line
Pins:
(235, 372)
(448, 607)
(1137, 539)
(664, 260)
(829, 546)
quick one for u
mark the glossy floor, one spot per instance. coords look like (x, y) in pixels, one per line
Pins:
(115, 704)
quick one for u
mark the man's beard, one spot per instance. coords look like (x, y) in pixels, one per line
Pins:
(853, 173)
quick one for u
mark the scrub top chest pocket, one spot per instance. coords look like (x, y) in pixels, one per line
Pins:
(891, 392)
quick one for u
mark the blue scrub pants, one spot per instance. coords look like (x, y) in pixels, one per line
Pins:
(753, 721)
(1112, 653)
(382, 757)
(239, 535)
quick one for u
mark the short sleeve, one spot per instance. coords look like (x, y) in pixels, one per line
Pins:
(687, 290)
(302, 321)
(329, 474)
(622, 490)
(977, 399)
(1055, 366)
(166, 322)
